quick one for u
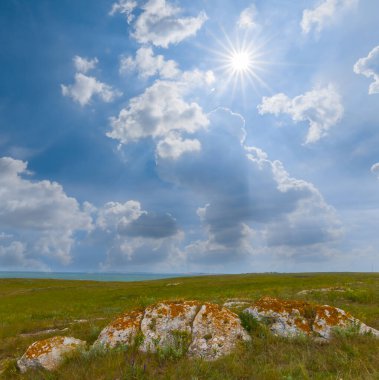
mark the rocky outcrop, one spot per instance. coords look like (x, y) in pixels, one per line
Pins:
(209, 331)
(48, 353)
(202, 330)
(295, 318)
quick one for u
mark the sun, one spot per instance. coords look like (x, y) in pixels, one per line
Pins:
(240, 61)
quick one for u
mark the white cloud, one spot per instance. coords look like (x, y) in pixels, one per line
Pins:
(83, 65)
(113, 213)
(173, 146)
(321, 107)
(147, 64)
(369, 67)
(85, 88)
(163, 114)
(39, 212)
(125, 7)
(160, 23)
(248, 18)
(375, 169)
(324, 14)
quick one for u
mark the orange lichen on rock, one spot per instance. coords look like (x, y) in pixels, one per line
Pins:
(332, 315)
(127, 320)
(174, 309)
(280, 306)
(122, 331)
(43, 347)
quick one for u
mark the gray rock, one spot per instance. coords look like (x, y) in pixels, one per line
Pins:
(215, 332)
(122, 331)
(161, 323)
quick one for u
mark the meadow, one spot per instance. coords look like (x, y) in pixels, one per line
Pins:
(82, 308)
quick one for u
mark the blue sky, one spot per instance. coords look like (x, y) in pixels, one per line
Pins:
(202, 136)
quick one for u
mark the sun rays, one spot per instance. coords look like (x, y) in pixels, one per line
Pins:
(241, 64)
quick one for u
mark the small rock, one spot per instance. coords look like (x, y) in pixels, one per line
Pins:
(235, 304)
(215, 332)
(160, 323)
(41, 332)
(174, 283)
(48, 353)
(323, 290)
(122, 331)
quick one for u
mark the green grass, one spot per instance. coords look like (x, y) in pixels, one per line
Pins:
(33, 305)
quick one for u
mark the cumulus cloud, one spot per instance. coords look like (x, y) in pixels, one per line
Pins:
(164, 114)
(248, 18)
(136, 236)
(14, 256)
(375, 169)
(158, 111)
(324, 14)
(250, 201)
(147, 64)
(321, 107)
(86, 87)
(369, 67)
(160, 23)
(42, 215)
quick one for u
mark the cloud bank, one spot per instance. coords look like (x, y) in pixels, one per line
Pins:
(39, 217)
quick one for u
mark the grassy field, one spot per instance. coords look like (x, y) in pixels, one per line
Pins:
(83, 308)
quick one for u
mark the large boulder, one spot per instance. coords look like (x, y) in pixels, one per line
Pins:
(215, 332)
(164, 322)
(205, 330)
(48, 353)
(121, 331)
(295, 318)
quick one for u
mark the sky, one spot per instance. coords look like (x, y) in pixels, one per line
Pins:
(167, 136)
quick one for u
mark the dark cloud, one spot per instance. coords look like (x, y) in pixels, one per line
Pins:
(150, 225)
